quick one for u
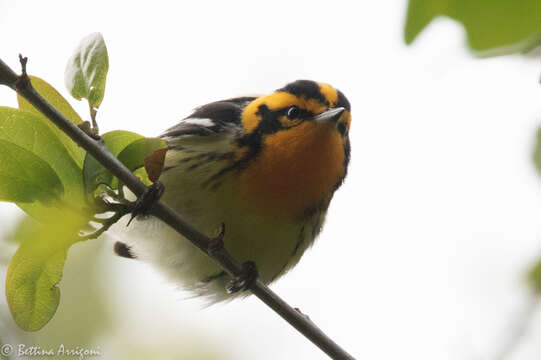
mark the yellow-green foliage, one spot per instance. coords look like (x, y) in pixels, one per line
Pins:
(493, 27)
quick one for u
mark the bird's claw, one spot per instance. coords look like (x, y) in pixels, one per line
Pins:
(244, 280)
(144, 203)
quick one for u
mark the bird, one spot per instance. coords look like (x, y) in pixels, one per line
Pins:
(265, 167)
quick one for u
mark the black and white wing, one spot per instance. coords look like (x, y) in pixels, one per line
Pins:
(203, 144)
(212, 118)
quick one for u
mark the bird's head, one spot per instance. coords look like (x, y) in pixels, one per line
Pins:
(302, 102)
(299, 135)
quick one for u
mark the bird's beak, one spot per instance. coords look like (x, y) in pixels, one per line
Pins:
(330, 116)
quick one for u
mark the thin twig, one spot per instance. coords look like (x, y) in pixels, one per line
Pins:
(7, 76)
(22, 85)
(93, 113)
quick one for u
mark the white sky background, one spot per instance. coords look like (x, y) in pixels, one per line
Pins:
(425, 245)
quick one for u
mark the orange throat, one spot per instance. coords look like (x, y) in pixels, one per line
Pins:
(296, 170)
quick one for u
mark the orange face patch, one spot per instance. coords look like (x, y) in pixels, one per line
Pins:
(296, 169)
(300, 161)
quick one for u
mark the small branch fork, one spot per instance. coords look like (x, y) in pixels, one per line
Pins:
(21, 84)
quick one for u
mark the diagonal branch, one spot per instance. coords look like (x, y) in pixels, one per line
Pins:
(21, 84)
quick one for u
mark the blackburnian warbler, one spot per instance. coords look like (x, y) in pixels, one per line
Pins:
(266, 167)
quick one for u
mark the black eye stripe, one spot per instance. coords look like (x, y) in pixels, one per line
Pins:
(270, 122)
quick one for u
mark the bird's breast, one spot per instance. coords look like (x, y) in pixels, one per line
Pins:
(296, 170)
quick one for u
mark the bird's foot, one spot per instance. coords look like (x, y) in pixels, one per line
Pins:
(144, 203)
(243, 280)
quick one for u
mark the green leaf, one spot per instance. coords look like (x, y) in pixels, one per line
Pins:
(141, 173)
(86, 71)
(420, 14)
(94, 173)
(134, 154)
(24, 177)
(52, 96)
(36, 269)
(32, 133)
(117, 140)
(42, 213)
(20, 229)
(493, 27)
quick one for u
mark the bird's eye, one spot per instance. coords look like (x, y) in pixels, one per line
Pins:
(293, 112)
